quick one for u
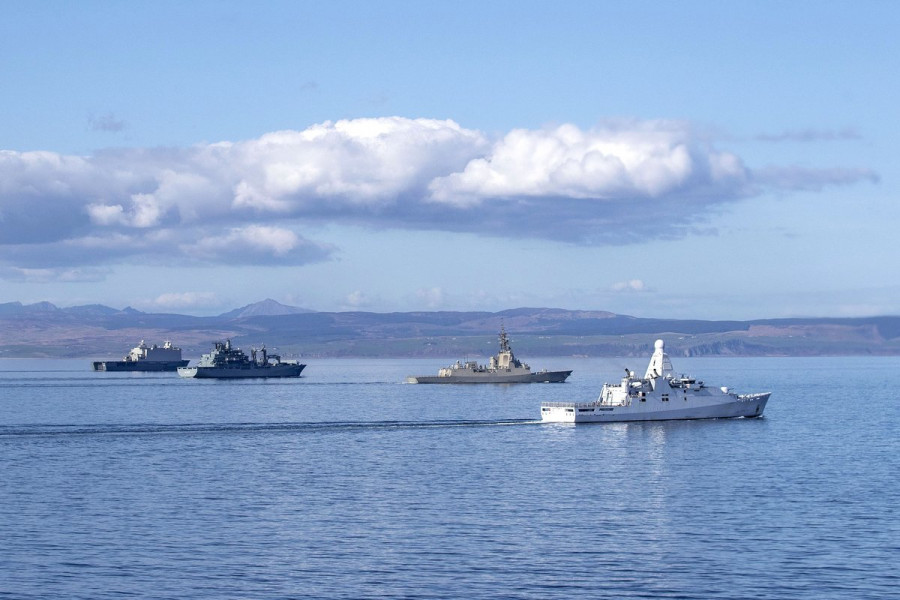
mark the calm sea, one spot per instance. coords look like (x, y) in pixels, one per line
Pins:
(348, 483)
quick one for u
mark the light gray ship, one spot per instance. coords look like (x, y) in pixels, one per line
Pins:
(502, 368)
(227, 362)
(658, 396)
(145, 358)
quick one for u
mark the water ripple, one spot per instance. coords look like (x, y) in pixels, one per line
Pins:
(194, 428)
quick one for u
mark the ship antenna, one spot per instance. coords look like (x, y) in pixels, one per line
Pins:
(504, 341)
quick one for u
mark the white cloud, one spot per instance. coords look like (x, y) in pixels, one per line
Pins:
(357, 299)
(431, 297)
(636, 159)
(256, 244)
(145, 212)
(174, 300)
(257, 238)
(103, 214)
(632, 285)
(248, 201)
(359, 164)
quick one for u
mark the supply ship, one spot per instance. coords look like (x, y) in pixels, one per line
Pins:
(228, 362)
(146, 358)
(503, 367)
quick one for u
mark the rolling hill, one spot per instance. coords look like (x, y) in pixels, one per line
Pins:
(44, 330)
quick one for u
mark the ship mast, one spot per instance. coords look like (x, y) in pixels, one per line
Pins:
(504, 341)
(660, 365)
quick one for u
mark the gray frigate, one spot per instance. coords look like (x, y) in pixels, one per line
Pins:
(503, 367)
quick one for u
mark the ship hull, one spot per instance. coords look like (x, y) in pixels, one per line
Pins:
(488, 377)
(139, 366)
(279, 370)
(749, 405)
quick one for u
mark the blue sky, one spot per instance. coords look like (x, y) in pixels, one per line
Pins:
(689, 160)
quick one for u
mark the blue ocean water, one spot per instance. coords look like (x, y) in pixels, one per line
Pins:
(348, 483)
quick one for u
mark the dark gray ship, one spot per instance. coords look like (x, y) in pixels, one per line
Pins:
(145, 358)
(227, 362)
(503, 367)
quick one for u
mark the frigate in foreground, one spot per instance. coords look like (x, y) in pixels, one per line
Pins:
(228, 362)
(658, 396)
(145, 358)
(503, 367)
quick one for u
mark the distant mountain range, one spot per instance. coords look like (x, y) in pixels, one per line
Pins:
(45, 330)
(265, 308)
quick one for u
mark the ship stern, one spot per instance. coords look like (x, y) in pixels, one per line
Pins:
(557, 412)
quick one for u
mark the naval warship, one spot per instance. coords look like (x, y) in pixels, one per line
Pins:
(502, 368)
(658, 396)
(145, 358)
(227, 362)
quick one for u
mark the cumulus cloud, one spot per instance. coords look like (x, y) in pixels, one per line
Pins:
(249, 201)
(257, 244)
(364, 165)
(357, 300)
(173, 300)
(626, 160)
(248, 245)
(632, 285)
(144, 212)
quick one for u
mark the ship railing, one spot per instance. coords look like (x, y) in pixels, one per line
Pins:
(568, 404)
